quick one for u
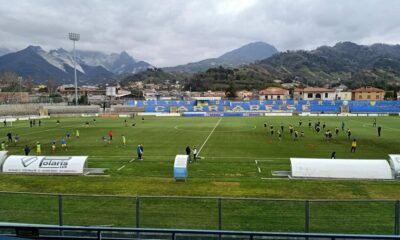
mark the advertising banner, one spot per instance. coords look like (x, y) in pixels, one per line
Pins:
(57, 165)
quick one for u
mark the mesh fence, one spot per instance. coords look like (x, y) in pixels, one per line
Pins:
(179, 213)
(352, 217)
(99, 211)
(358, 217)
(27, 208)
(263, 215)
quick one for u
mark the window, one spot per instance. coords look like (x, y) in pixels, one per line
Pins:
(378, 97)
(309, 95)
(360, 96)
(368, 96)
(279, 97)
(318, 95)
(326, 95)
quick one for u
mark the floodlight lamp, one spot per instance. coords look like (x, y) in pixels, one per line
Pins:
(74, 36)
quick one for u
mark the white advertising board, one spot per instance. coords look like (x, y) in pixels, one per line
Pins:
(56, 165)
(340, 168)
(111, 91)
(181, 161)
(180, 167)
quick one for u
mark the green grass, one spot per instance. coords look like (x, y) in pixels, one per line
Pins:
(227, 170)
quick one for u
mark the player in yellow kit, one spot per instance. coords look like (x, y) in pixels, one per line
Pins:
(38, 148)
(123, 140)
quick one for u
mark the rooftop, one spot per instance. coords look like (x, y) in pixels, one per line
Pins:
(368, 89)
(313, 89)
(274, 91)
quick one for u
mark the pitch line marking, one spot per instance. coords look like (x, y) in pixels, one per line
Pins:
(209, 135)
(266, 178)
(119, 169)
(132, 160)
(245, 130)
(259, 169)
(164, 156)
(259, 159)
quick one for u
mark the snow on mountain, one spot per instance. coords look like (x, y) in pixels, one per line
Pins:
(117, 63)
(62, 57)
(93, 58)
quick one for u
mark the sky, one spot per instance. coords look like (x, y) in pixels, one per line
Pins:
(172, 32)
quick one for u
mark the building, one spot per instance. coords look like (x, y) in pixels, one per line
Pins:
(244, 94)
(274, 93)
(367, 93)
(68, 91)
(14, 97)
(342, 93)
(312, 93)
(209, 93)
(343, 96)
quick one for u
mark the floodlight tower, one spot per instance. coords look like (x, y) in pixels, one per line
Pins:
(75, 37)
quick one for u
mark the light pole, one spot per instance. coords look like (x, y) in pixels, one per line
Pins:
(75, 37)
(20, 88)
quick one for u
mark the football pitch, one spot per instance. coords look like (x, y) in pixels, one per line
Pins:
(238, 156)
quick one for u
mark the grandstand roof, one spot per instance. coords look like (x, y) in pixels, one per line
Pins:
(368, 89)
(274, 91)
(313, 89)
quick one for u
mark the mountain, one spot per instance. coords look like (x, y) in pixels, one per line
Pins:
(92, 67)
(4, 51)
(246, 54)
(345, 62)
(121, 63)
(33, 61)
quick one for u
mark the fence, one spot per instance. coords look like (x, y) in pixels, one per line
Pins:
(240, 214)
(75, 232)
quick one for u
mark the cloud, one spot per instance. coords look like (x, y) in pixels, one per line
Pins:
(171, 32)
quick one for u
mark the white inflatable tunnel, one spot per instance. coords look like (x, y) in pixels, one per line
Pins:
(340, 168)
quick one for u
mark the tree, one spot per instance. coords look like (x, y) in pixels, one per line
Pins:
(231, 90)
(389, 96)
(83, 99)
(51, 86)
(28, 84)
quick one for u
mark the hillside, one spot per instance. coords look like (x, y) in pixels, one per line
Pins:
(348, 63)
(246, 54)
(154, 75)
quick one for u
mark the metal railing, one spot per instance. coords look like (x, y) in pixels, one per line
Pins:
(75, 232)
(203, 213)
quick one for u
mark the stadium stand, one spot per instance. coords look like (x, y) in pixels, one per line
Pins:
(127, 109)
(19, 109)
(44, 109)
(315, 106)
(72, 109)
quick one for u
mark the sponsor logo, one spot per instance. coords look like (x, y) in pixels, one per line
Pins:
(26, 161)
(54, 162)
